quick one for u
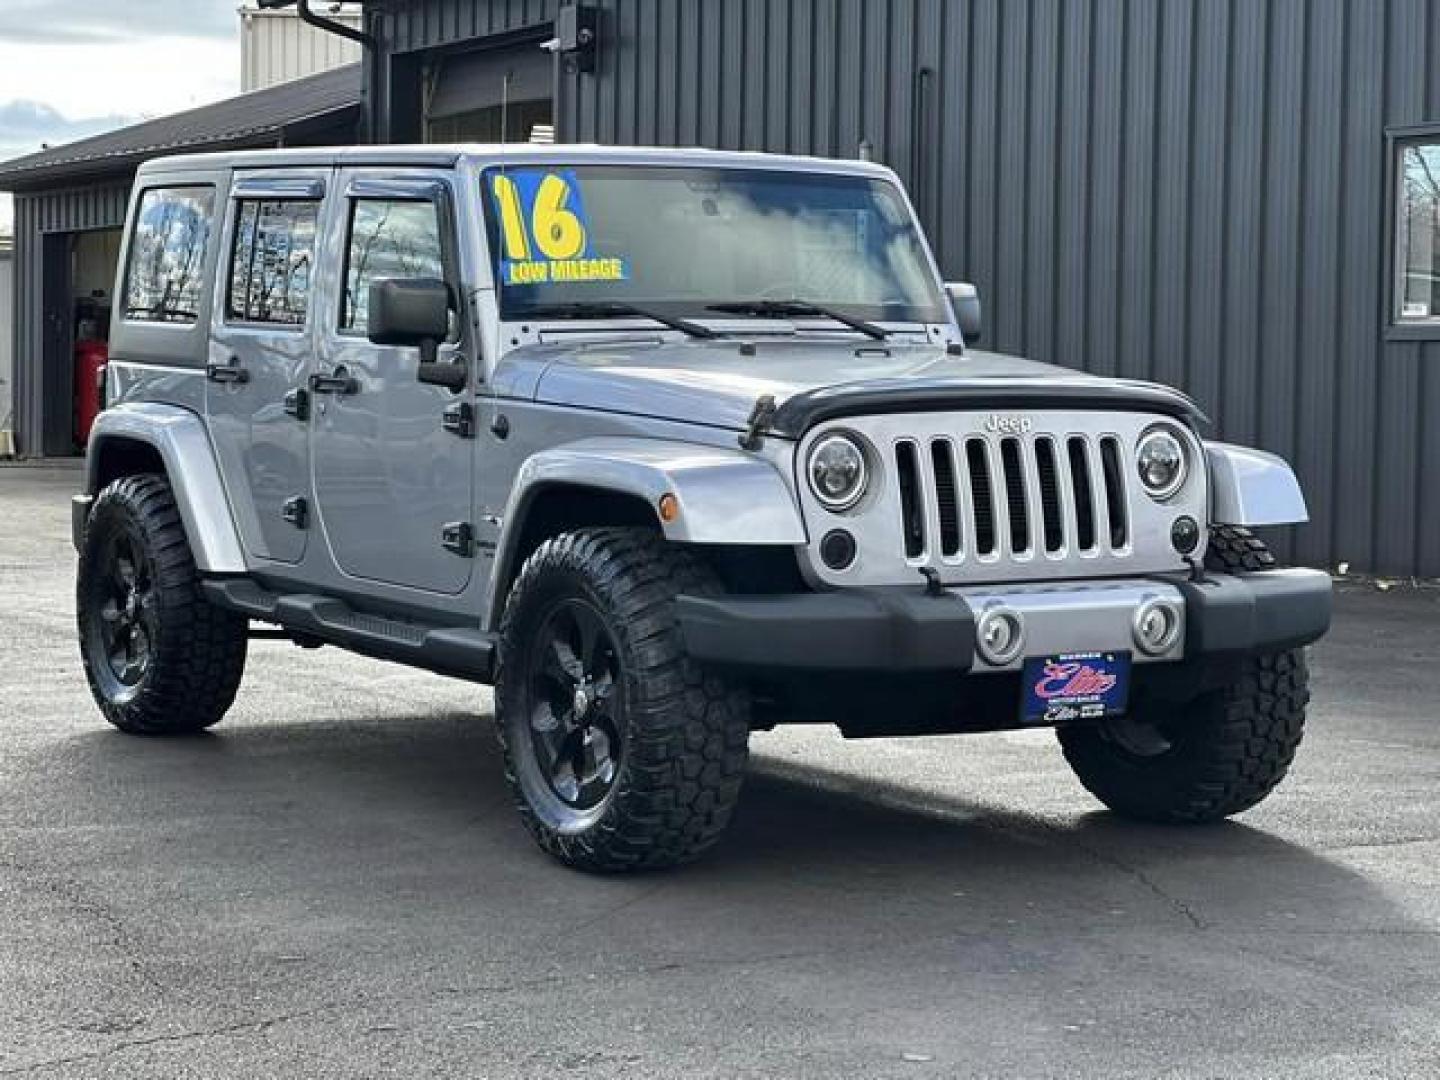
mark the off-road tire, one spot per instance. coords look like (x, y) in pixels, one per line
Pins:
(685, 729)
(1228, 749)
(197, 655)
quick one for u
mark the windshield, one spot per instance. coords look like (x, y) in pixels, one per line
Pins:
(680, 240)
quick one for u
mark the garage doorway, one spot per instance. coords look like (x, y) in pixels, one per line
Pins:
(77, 282)
(492, 96)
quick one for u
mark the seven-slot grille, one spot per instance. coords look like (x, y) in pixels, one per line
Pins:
(1011, 497)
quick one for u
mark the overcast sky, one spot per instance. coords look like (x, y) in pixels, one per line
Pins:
(72, 68)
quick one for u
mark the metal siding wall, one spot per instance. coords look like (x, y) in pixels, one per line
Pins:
(7, 343)
(38, 393)
(1190, 191)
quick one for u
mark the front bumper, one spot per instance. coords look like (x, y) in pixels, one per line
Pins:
(909, 631)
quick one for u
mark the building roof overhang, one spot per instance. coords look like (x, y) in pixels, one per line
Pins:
(262, 118)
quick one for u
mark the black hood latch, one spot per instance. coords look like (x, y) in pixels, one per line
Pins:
(759, 423)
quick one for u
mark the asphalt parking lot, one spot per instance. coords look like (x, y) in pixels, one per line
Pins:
(333, 884)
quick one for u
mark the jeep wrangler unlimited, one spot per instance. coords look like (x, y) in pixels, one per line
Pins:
(668, 446)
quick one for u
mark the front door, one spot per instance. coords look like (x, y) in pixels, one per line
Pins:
(391, 482)
(259, 354)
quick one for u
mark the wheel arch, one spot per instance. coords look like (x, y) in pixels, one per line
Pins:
(722, 498)
(131, 439)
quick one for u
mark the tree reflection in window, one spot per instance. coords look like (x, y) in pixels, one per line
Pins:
(273, 258)
(167, 255)
(388, 239)
(1419, 240)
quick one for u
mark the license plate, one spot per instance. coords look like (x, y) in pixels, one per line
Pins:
(1074, 686)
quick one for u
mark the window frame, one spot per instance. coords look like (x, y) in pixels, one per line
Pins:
(442, 204)
(1396, 326)
(132, 231)
(238, 201)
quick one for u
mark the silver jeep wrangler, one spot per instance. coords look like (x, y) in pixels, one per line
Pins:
(668, 446)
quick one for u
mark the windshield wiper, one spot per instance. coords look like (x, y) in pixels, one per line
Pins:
(604, 309)
(784, 309)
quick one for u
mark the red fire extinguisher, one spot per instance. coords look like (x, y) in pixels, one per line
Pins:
(91, 357)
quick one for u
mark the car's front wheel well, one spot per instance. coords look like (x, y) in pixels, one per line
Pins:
(117, 458)
(563, 508)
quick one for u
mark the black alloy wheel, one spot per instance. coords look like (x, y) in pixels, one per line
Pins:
(123, 614)
(575, 705)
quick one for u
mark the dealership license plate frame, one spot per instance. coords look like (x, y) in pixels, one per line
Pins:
(1072, 687)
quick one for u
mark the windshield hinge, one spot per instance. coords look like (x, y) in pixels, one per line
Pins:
(759, 423)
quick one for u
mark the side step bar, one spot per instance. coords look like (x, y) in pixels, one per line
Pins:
(462, 652)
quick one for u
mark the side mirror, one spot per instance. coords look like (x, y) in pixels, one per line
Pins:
(415, 312)
(965, 300)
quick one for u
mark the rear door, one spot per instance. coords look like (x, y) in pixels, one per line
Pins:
(259, 354)
(392, 483)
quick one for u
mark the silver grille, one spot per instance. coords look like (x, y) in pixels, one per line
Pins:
(1012, 497)
(1046, 495)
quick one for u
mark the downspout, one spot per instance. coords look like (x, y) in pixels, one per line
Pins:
(349, 33)
(308, 15)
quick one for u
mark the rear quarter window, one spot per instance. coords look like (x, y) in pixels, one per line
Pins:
(165, 275)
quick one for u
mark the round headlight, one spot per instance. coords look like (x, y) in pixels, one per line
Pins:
(1161, 460)
(838, 472)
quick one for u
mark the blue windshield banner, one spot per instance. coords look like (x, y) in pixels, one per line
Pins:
(545, 232)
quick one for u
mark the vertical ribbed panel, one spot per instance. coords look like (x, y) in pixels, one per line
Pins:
(1190, 191)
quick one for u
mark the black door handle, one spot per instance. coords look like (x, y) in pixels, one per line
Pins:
(337, 382)
(227, 373)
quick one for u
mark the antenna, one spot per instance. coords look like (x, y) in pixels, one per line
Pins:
(505, 108)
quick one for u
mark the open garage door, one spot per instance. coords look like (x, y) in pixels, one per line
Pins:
(494, 95)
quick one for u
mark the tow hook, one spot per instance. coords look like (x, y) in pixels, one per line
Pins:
(932, 581)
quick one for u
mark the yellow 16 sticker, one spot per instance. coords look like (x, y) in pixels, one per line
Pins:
(544, 232)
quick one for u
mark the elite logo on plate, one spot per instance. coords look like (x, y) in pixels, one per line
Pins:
(1074, 686)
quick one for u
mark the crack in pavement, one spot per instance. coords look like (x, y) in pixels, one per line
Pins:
(71, 892)
(125, 1045)
(1180, 907)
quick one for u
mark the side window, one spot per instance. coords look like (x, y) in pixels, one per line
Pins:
(165, 276)
(1417, 289)
(271, 262)
(389, 238)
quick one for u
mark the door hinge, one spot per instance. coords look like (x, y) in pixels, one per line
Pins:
(459, 419)
(458, 537)
(297, 403)
(296, 511)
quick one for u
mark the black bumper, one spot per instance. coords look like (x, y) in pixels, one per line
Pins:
(905, 630)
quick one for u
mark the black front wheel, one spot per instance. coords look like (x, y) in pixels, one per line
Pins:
(1212, 757)
(159, 657)
(622, 754)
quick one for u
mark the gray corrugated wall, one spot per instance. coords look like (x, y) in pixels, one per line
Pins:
(39, 392)
(1187, 190)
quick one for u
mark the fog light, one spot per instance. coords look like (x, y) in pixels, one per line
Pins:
(837, 550)
(1185, 535)
(1156, 627)
(1000, 636)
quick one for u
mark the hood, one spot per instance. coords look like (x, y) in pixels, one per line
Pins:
(717, 383)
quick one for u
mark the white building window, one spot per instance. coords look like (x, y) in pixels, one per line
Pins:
(1417, 265)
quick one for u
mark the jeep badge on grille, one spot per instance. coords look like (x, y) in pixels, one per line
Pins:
(999, 424)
